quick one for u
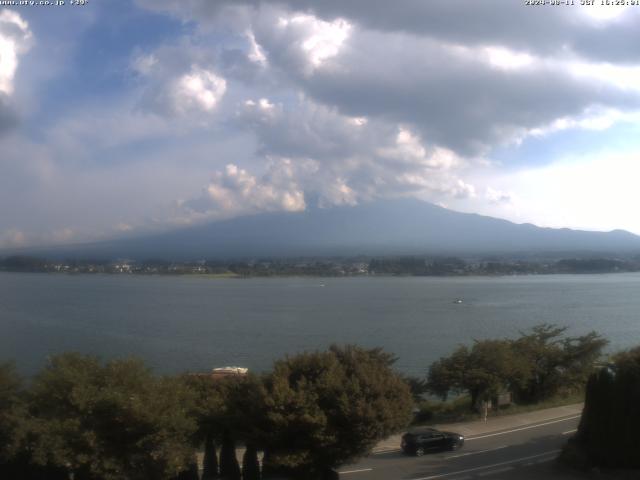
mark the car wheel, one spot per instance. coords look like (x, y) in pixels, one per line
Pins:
(419, 451)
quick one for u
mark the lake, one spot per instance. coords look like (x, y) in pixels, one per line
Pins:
(191, 323)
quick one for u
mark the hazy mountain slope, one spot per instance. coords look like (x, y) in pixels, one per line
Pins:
(404, 226)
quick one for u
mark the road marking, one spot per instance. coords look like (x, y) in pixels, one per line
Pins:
(495, 472)
(522, 428)
(485, 467)
(476, 453)
(356, 471)
(467, 439)
(389, 450)
(569, 432)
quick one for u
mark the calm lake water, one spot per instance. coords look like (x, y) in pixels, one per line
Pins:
(195, 323)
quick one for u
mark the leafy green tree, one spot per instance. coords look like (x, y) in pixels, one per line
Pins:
(10, 412)
(555, 362)
(535, 366)
(110, 421)
(418, 387)
(484, 371)
(14, 460)
(231, 404)
(326, 408)
(446, 375)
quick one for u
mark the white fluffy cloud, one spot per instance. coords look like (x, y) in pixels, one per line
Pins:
(235, 191)
(298, 103)
(199, 89)
(15, 39)
(176, 84)
(345, 160)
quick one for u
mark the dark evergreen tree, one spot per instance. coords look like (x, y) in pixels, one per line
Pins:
(608, 430)
(190, 473)
(210, 462)
(229, 467)
(250, 463)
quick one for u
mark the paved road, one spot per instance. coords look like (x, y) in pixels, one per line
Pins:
(521, 452)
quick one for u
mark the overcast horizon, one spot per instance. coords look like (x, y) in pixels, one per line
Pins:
(132, 116)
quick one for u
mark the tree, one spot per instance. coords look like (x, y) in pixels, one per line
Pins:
(190, 473)
(250, 464)
(210, 462)
(608, 430)
(555, 363)
(446, 375)
(493, 368)
(10, 406)
(226, 409)
(418, 387)
(14, 462)
(110, 421)
(486, 370)
(326, 408)
(229, 467)
(534, 366)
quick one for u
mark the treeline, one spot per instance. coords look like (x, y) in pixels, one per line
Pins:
(256, 268)
(336, 267)
(88, 420)
(534, 367)
(453, 266)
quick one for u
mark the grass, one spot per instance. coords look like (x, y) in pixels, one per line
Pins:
(457, 410)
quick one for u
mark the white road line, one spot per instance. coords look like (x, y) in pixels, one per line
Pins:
(485, 467)
(495, 472)
(569, 432)
(476, 453)
(390, 450)
(356, 471)
(522, 428)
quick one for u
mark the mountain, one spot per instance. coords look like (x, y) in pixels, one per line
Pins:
(392, 227)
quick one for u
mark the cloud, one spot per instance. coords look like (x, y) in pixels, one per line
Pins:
(340, 159)
(302, 103)
(594, 192)
(196, 91)
(12, 238)
(442, 67)
(497, 196)
(310, 40)
(173, 83)
(199, 89)
(15, 40)
(234, 191)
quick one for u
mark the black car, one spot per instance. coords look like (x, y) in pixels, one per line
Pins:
(420, 440)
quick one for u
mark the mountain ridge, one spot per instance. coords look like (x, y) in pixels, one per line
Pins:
(392, 227)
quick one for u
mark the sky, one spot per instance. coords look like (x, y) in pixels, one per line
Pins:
(121, 117)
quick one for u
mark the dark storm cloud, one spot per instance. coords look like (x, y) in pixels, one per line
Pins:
(423, 63)
(453, 97)
(541, 29)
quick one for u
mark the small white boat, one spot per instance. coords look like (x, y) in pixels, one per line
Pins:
(457, 301)
(223, 371)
